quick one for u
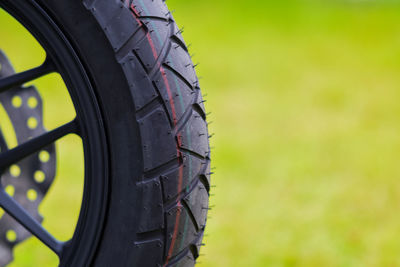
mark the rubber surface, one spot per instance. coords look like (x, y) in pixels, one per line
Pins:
(156, 124)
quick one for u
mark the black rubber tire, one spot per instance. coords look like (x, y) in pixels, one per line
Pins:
(156, 127)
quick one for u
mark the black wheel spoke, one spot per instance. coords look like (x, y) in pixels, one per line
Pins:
(16, 154)
(26, 76)
(20, 215)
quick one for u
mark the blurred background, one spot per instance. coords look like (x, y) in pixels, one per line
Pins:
(304, 96)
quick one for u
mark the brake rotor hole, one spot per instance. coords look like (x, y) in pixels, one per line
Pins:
(44, 156)
(10, 190)
(11, 236)
(32, 123)
(32, 102)
(31, 195)
(39, 176)
(16, 101)
(15, 170)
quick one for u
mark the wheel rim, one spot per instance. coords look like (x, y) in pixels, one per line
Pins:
(61, 58)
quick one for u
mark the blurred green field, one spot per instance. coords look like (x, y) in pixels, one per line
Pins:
(304, 99)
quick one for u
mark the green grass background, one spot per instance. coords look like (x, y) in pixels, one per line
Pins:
(304, 98)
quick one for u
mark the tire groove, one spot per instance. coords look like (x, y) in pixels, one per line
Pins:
(180, 43)
(166, 167)
(127, 47)
(149, 108)
(153, 18)
(190, 213)
(192, 153)
(172, 203)
(180, 76)
(178, 257)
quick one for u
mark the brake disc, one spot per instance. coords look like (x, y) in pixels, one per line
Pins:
(29, 180)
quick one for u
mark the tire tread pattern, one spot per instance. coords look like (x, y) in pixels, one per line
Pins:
(172, 119)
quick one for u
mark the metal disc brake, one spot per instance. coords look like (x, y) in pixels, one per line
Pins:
(29, 180)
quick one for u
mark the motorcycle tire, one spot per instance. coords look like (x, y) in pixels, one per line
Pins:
(155, 125)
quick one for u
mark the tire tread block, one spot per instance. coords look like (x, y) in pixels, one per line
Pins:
(104, 11)
(183, 66)
(151, 8)
(152, 208)
(142, 90)
(194, 136)
(191, 168)
(197, 202)
(148, 252)
(159, 144)
(175, 88)
(187, 261)
(185, 236)
(150, 48)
